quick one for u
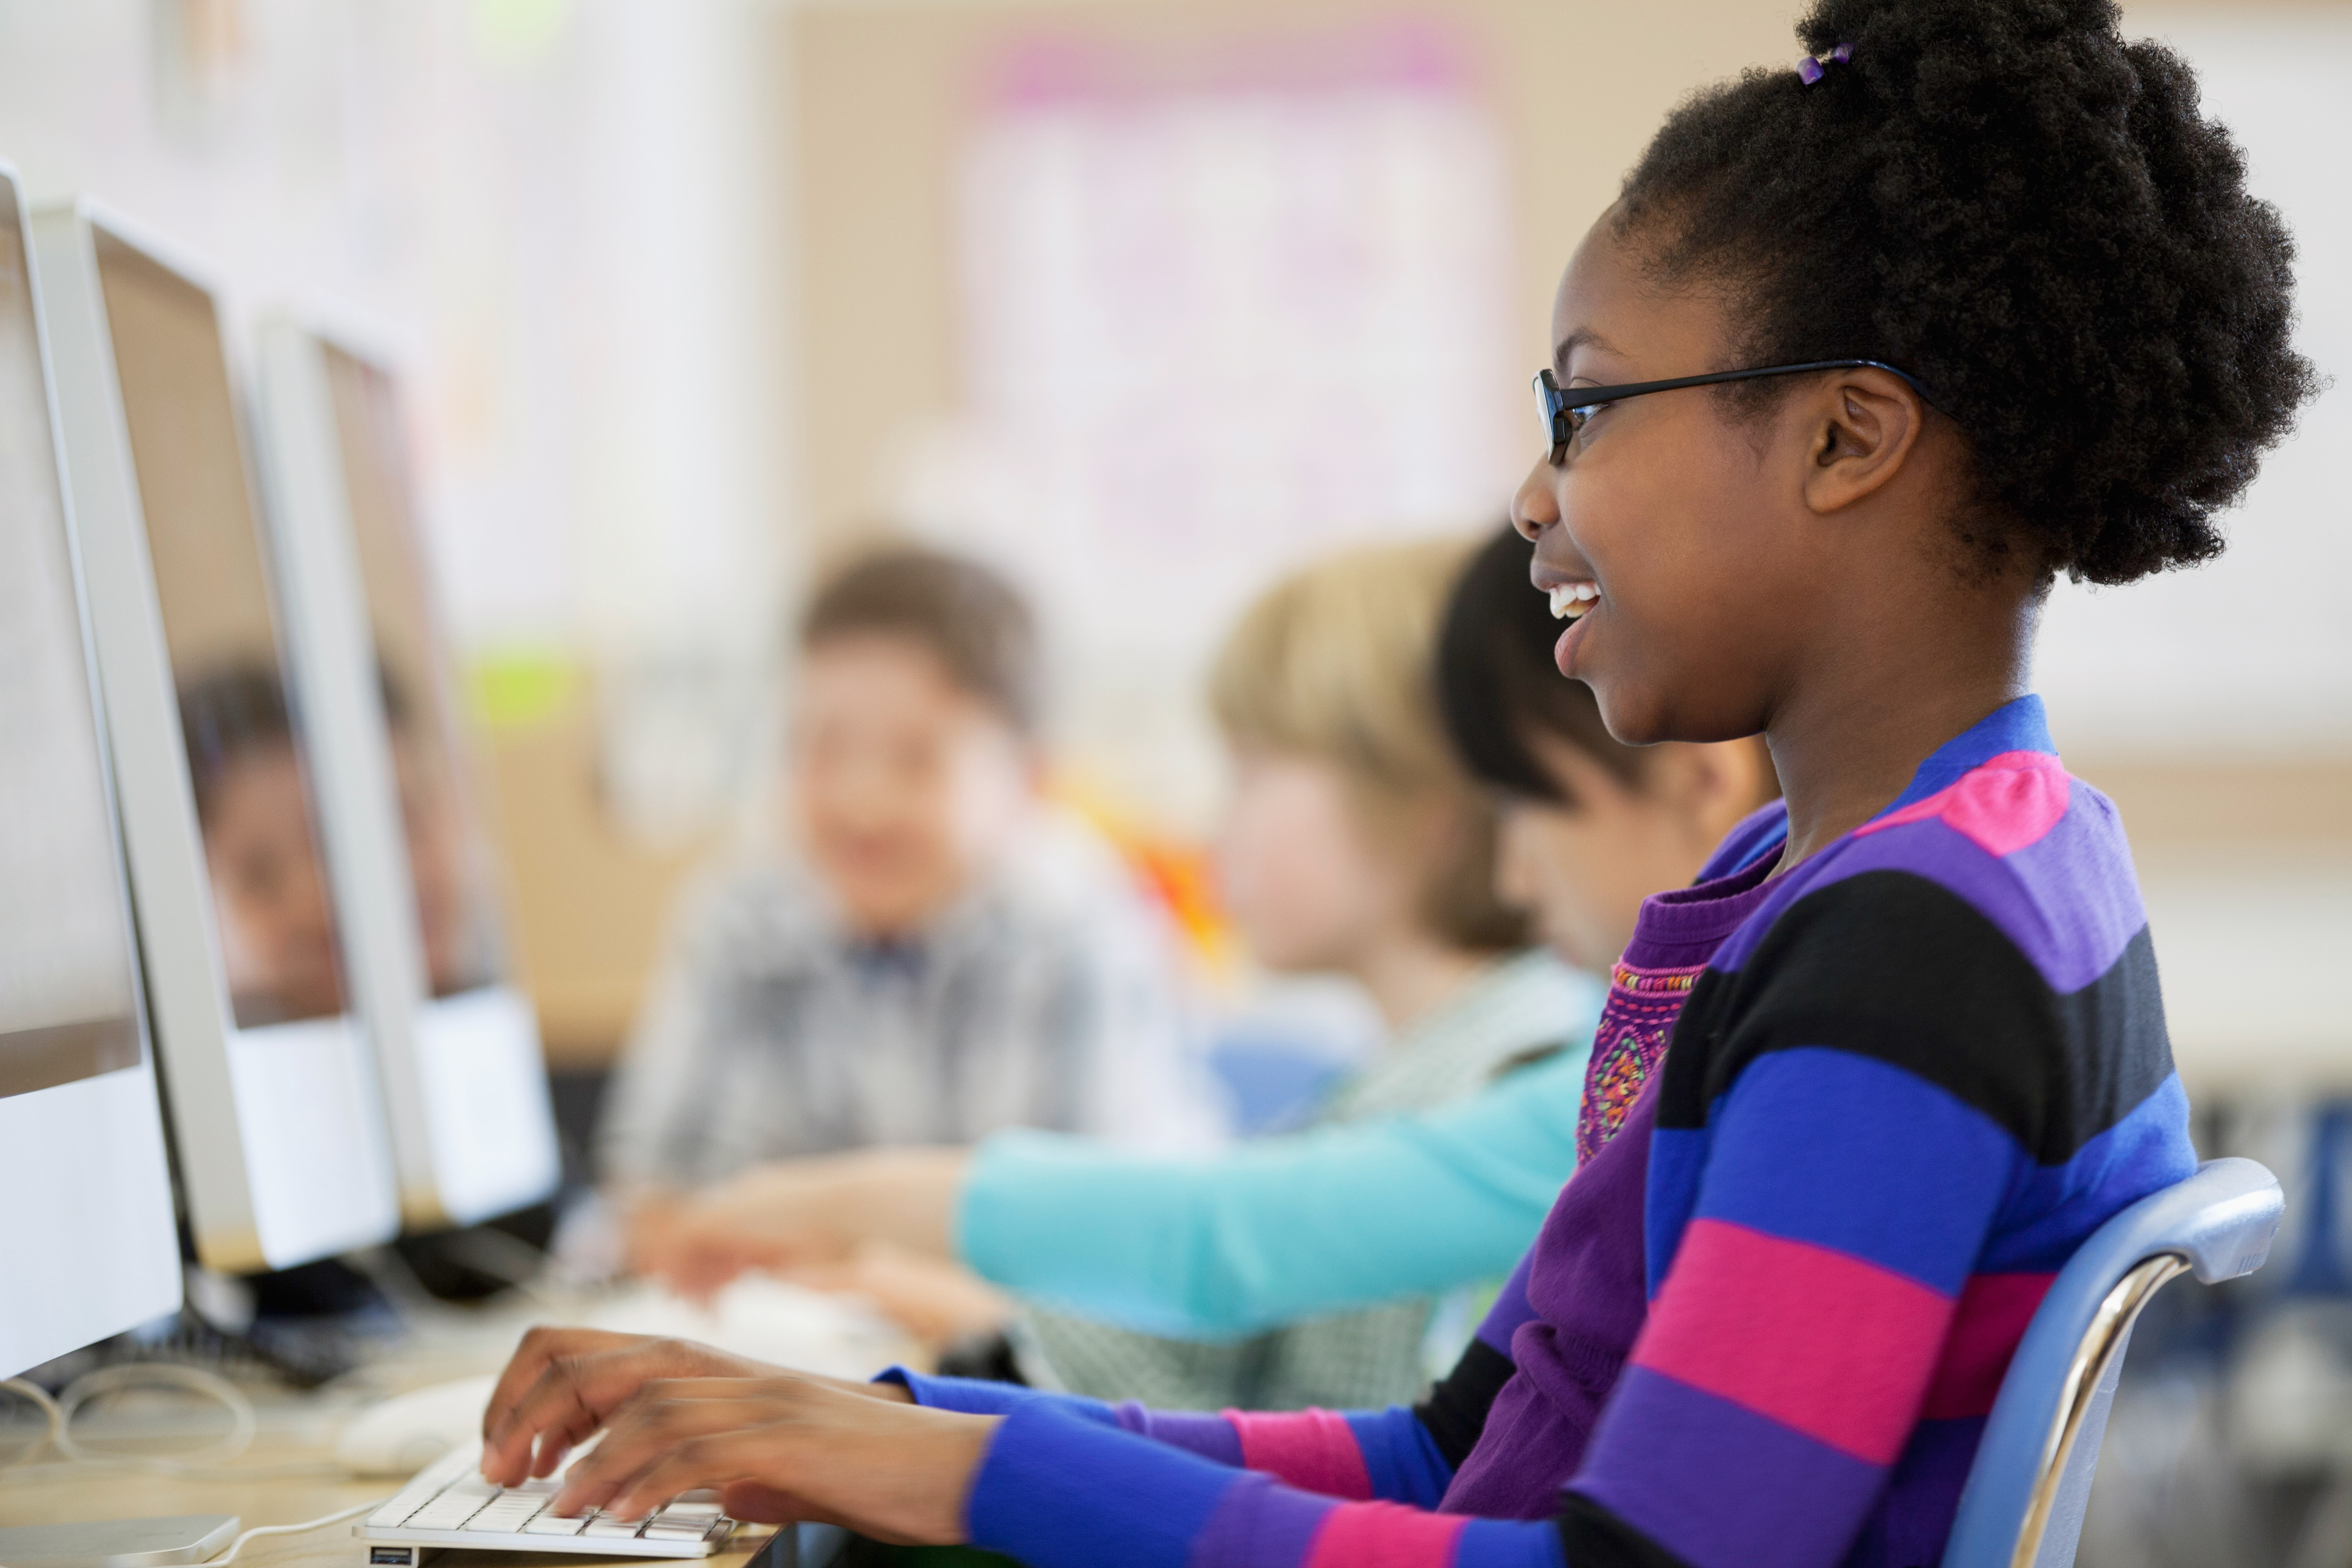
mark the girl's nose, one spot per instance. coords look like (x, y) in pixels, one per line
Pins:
(1535, 508)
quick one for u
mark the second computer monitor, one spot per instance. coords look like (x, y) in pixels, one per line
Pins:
(272, 1088)
(465, 1081)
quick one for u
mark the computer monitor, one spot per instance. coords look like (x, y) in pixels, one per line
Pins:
(473, 1131)
(87, 1244)
(271, 1089)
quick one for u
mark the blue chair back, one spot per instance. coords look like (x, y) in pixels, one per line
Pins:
(2022, 1506)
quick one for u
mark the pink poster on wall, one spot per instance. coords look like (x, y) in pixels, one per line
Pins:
(1222, 309)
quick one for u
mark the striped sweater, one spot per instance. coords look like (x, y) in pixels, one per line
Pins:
(1765, 1320)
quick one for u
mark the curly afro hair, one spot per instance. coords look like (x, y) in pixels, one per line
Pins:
(2006, 199)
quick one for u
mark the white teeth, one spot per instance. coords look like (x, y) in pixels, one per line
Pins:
(1571, 600)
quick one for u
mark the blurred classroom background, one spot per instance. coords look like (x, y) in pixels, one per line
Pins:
(1146, 301)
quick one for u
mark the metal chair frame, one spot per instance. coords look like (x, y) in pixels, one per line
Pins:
(2022, 1506)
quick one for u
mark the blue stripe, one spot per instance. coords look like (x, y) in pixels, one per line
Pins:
(1507, 1543)
(2142, 1152)
(1400, 1456)
(1843, 1151)
(2017, 726)
(1060, 1490)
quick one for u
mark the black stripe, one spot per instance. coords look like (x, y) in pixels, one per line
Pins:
(1593, 1537)
(1894, 966)
(1455, 1411)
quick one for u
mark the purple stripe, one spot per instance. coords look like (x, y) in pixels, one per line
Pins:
(1928, 1479)
(1509, 1311)
(2067, 901)
(1258, 1524)
(1197, 1432)
(1717, 1485)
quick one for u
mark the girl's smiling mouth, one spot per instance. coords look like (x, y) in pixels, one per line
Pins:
(1571, 600)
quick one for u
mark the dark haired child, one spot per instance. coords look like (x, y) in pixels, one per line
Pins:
(1982, 298)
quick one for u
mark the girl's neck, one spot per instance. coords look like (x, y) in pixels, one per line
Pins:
(1849, 743)
(1409, 975)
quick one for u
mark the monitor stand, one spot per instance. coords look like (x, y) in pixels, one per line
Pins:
(119, 1543)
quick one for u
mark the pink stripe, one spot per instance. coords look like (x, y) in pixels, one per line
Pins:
(1385, 1535)
(1818, 1339)
(1313, 1450)
(2003, 803)
(1993, 1311)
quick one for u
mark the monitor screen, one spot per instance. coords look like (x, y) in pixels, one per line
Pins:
(67, 1006)
(449, 854)
(253, 803)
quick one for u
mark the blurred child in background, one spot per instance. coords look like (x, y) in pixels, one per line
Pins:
(1286, 1228)
(934, 955)
(1353, 844)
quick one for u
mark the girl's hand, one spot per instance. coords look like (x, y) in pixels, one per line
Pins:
(784, 1449)
(564, 1384)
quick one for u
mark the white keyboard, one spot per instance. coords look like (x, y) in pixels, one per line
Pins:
(451, 1505)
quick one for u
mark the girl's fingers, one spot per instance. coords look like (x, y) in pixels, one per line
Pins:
(506, 1445)
(660, 1420)
(539, 1346)
(756, 1454)
(575, 1391)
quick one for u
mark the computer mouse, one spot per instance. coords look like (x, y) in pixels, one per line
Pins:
(409, 1431)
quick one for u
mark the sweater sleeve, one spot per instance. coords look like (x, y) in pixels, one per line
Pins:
(1805, 1320)
(1370, 1455)
(1288, 1227)
(1078, 1481)
(1060, 1490)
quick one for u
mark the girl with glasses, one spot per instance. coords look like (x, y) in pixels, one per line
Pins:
(1860, 1090)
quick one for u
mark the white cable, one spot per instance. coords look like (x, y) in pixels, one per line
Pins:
(133, 1374)
(224, 1559)
(203, 1466)
(49, 1406)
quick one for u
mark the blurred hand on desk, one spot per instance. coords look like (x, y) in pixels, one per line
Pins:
(877, 1222)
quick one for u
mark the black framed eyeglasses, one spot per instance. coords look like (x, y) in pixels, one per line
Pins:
(1564, 409)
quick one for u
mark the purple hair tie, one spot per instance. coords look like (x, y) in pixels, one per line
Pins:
(1812, 69)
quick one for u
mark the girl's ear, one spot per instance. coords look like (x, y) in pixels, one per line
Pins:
(1866, 425)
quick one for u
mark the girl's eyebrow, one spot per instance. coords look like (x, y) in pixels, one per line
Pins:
(1582, 338)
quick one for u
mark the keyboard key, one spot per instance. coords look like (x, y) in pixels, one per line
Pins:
(680, 1508)
(445, 1512)
(397, 1510)
(508, 1514)
(609, 1528)
(554, 1524)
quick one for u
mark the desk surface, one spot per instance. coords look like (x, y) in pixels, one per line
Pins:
(63, 1496)
(296, 1428)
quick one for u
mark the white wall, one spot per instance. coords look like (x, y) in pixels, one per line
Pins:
(562, 213)
(2252, 655)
